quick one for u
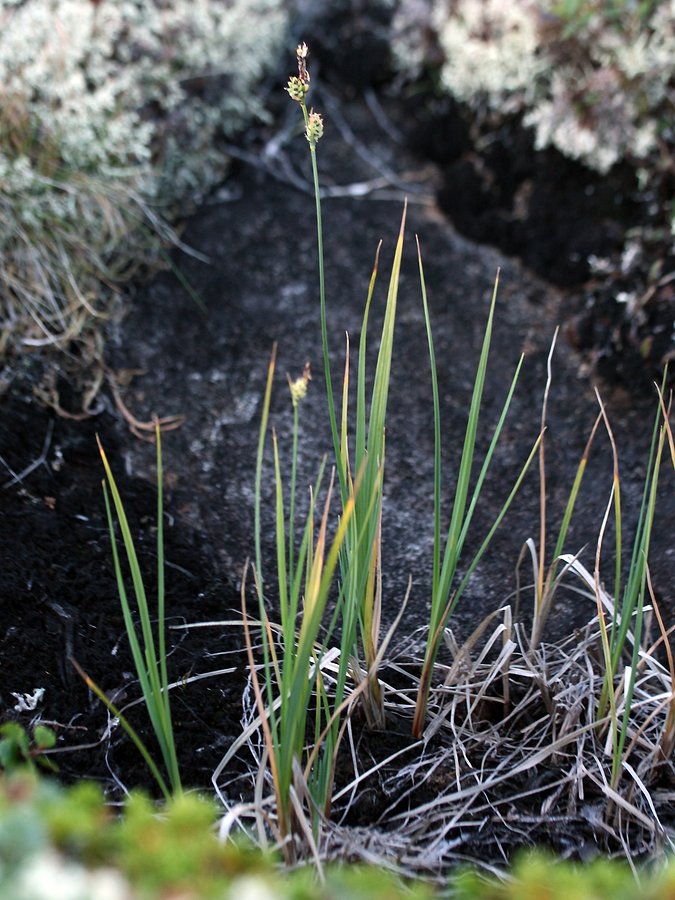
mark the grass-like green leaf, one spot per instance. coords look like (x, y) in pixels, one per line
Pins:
(149, 653)
(627, 622)
(446, 560)
(292, 686)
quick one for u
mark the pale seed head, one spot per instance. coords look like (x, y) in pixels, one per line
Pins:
(299, 386)
(297, 89)
(314, 130)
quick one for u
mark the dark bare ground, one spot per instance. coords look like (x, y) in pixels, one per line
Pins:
(58, 592)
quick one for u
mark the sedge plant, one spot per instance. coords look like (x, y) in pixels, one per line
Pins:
(623, 634)
(446, 555)
(293, 654)
(361, 556)
(360, 570)
(361, 550)
(148, 648)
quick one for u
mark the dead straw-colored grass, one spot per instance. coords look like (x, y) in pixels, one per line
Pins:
(512, 757)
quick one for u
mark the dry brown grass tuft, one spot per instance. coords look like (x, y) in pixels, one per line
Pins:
(512, 757)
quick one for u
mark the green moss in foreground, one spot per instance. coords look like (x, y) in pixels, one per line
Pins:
(53, 836)
(539, 877)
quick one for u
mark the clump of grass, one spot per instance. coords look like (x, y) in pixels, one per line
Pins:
(628, 605)
(361, 552)
(68, 236)
(292, 667)
(147, 647)
(446, 559)
(361, 575)
(305, 688)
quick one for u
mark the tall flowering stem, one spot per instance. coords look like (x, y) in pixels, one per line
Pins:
(360, 482)
(297, 88)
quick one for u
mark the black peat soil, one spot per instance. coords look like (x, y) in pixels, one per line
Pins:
(208, 361)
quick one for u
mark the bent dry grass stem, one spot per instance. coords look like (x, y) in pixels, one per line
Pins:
(546, 581)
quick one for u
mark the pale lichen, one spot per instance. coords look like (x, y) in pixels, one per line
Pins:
(112, 114)
(598, 87)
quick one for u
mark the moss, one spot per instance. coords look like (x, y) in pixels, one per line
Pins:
(147, 852)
